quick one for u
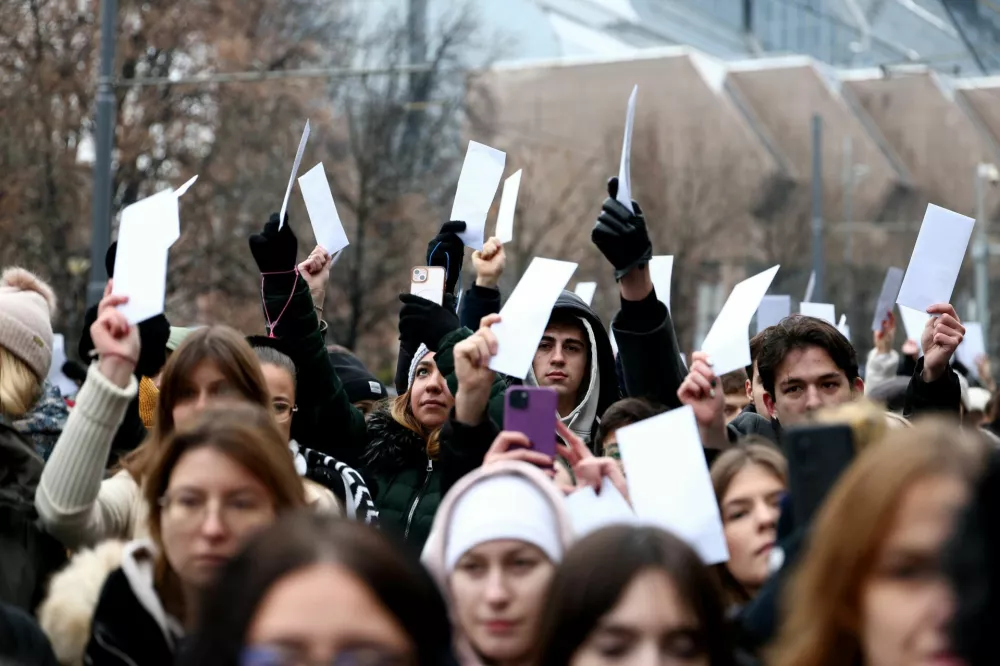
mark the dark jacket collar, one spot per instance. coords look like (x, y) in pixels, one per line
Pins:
(392, 447)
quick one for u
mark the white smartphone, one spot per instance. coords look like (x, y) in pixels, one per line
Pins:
(428, 282)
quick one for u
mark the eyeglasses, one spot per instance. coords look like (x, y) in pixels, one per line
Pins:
(275, 655)
(188, 510)
(283, 411)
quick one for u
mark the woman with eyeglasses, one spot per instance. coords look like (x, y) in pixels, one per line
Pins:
(214, 367)
(213, 483)
(316, 591)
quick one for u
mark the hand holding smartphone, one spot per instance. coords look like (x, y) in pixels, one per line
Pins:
(531, 410)
(428, 282)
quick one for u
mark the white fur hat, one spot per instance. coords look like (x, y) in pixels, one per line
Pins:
(26, 308)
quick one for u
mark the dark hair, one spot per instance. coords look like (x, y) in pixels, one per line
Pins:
(299, 541)
(756, 344)
(598, 569)
(800, 332)
(735, 382)
(622, 413)
(271, 356)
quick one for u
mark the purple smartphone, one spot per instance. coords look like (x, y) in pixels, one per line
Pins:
(531, 410)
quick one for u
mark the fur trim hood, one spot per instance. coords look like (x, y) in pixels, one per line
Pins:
(67, 612)
(392, 446)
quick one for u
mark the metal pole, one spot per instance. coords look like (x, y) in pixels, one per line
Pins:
(100, 236)
(817, 207)
(980, 256)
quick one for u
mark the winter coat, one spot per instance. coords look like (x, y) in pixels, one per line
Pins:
(346, 484)
(76, 503)
(130, 626)
(22, 643)
(880, 368)
(433, 556)
(67, 612)
(28, 555)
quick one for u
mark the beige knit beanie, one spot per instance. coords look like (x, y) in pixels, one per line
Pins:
(26, 308)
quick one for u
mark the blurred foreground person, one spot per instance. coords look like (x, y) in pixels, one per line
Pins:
(869, 590)
(750, 481)
(633, 595)
(496, 541)
(319, 590)
(215, 481)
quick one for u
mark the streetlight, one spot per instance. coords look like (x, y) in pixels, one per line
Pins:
(985, 173)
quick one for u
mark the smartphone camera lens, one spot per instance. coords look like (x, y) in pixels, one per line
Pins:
(419, 275)
(519, 400)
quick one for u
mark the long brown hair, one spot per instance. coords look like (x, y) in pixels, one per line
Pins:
(402, 413)
(821, 611)
(750, 451)
(246, 434)
(228, 351)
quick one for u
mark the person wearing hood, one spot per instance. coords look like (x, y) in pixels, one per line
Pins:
(496, 542)
(216, 481)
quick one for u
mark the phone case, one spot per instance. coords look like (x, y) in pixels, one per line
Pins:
(817, 456)
(531, 410)
(428, 282)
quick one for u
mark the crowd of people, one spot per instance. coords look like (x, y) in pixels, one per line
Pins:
(212, 498)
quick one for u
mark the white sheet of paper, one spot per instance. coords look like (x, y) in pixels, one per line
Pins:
(825, 311)
(508, 206)
(661, 269)
(67, 387)
(586, 291)
(323, 216)
(526, 313)
(477, 186)
(810, 286)
(973, 346)
(727, 343)
(936, 260)
(842, 326)
(914, 322)
(887, 297)
(141, 265)
(624, 169)
(295, 172)
(590, 512)
(772, 310)
(180, 191)
(669, 483)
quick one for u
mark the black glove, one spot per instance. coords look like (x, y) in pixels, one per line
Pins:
(275, 250)
(447, 250)
(109, 259)
(621, 236)
(425, 321)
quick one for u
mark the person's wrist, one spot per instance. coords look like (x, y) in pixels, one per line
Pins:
(931, 372)
(487, 281)
(637, 284)
(116, 368)
(470, 405)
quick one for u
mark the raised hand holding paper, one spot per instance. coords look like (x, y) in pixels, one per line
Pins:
(825, 311)
(508, 206)
(144, 239)
(727, 342)
(772, 310)
(624, 169)
(661, 268)
(668, 480)
(914, 322)
(295, 172)
(936, 260)
(323, 216)
(526, 313)
(590, 512)
(586, 291)
(477, 186)
(887, 297)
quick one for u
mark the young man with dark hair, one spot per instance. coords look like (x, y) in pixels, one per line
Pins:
(734, 393)
(754, 389)
(806, 364)
(623, 413)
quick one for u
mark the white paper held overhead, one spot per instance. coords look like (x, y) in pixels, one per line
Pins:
(661, 268)
(936, 260)
(323, 216)
(144, 239)
(887, 297)
(668, 480)
(590, 512)
(842, 326)
(825, 311)
(295, 172)
(810, 287)
(526, 313)
(624, 169)
(508, 206)
(914, 322)
(772, 310)
(586, 291)
(728, 342)
(477, 186)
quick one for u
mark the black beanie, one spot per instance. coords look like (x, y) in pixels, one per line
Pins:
(359, 383)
